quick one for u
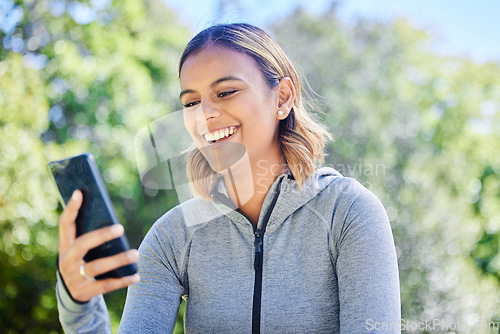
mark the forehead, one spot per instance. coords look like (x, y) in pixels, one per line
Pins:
(213, 63)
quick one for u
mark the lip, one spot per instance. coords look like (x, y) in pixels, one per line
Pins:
(217, 129)
(220, 141)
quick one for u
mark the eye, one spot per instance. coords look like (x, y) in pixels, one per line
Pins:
(191, 104)
(226, 93)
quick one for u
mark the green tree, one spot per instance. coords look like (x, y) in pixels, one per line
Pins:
(75, 77)
(421, 131)
(27, 203)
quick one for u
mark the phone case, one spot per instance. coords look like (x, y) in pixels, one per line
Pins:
(81, 172)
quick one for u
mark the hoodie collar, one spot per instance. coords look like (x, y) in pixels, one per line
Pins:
(290, 197)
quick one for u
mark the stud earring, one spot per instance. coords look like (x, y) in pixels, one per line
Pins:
(280, 112)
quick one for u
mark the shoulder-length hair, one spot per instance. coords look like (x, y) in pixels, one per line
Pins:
(302, 138)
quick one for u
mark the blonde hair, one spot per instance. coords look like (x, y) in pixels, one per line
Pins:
(302, 138)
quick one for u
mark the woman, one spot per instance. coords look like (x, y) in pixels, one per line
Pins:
(272, 243)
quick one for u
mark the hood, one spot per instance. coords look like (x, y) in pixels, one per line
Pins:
(290, 197)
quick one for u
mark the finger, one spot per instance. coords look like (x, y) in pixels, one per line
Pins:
(80, 283)
(95, 238)
(89, 288)
(103, 265)
(112, 284)
(67, 226)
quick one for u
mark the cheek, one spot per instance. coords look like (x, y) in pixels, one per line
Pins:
(190, 122)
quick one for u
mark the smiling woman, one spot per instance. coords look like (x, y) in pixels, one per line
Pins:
(327, 264)
(226, 90)
(252, 67)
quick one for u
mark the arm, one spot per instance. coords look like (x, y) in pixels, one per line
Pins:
(79, 297)
(367, 267)
(90, 317)
(152, 304)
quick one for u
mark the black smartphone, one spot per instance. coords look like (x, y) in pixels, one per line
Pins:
(81, 172)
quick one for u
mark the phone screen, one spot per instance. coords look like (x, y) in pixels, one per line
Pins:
(81, 172)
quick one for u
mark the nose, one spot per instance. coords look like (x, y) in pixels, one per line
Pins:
(202, 116)
(206, 111)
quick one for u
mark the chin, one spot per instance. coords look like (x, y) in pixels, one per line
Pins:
(222, 157)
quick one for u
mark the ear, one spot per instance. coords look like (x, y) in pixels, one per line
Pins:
(285, 97)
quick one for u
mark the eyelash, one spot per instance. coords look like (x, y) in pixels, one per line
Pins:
(226, 93)
(190, 104)
(220, 95)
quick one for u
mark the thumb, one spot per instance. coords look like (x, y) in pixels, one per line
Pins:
(67, 225)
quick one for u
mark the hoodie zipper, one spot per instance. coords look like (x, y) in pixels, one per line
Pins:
(259, 258)
(258, 264)
(257, 290)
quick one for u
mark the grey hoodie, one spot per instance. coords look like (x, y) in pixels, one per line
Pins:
(321, 260)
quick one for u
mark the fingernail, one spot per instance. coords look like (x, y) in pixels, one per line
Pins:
(134, 254)
(116, 229)
(73, 197)
(136, 278)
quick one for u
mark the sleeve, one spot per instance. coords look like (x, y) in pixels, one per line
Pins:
(153, 303)
(90, 317)
(367, 268)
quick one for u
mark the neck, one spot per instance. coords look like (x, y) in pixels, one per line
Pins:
(248, 183)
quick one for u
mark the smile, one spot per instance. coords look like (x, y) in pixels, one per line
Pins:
(220, 134)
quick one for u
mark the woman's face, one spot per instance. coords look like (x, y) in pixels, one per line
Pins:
(229, 107)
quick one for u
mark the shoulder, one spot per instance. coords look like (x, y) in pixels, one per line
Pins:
(350, 204)
(357, 218)
(353, 195)
(344, 193)
(359, 215)
(179, 223)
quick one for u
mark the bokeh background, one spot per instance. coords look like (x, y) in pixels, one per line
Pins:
(415, 118)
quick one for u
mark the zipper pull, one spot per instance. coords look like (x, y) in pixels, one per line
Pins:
(258, 250)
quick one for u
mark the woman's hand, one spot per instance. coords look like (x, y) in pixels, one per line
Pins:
(72, 250)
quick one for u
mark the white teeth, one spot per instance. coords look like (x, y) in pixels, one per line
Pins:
(219, 134)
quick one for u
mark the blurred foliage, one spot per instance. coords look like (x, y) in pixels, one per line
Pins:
(421, 131)
(75, 77)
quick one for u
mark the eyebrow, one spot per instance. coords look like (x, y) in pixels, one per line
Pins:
(213, 84)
